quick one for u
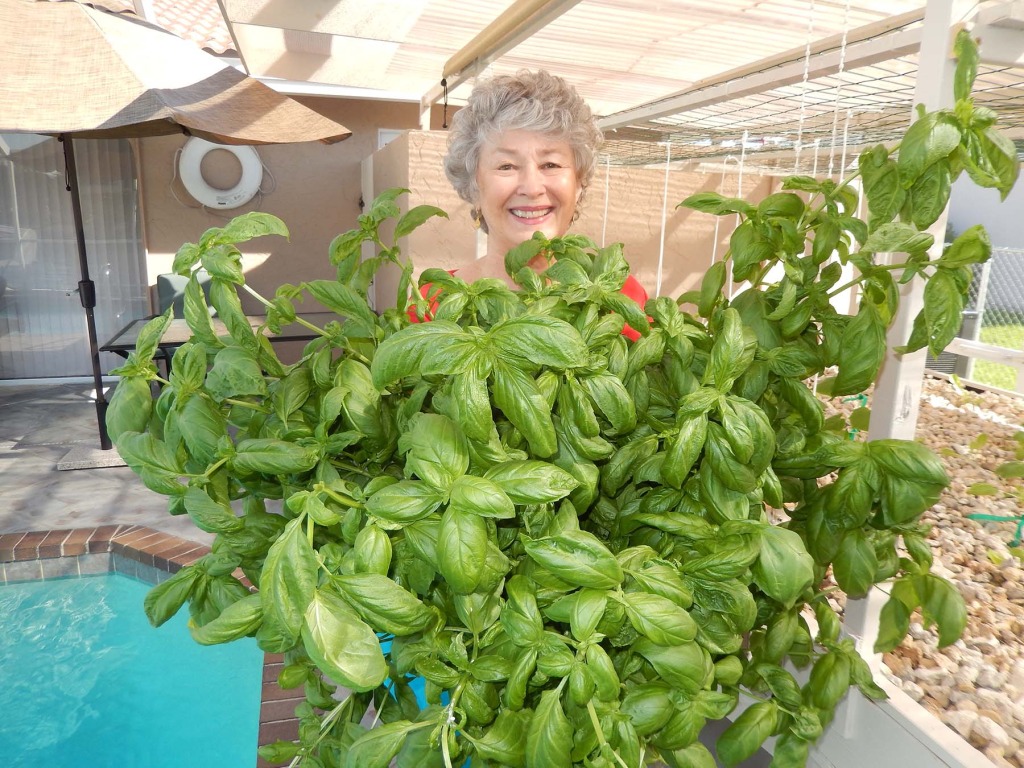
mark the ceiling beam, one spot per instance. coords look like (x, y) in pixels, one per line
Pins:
(519, 22)
(1000, 31)
(881, 40)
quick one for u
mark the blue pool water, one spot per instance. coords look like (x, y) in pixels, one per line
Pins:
(86, 682)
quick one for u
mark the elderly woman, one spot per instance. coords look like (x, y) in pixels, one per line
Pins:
(522, 152)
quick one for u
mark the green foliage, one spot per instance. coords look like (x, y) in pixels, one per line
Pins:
(566, 535)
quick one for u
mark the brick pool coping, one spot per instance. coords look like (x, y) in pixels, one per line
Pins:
(152, 556)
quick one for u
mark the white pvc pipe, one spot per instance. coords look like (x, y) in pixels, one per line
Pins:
(664, 219)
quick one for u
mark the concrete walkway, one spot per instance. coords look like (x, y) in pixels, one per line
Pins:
(41, 425)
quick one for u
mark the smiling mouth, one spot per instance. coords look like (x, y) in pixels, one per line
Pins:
(530, 214)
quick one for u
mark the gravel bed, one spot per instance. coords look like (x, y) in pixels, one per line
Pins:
(975, 686)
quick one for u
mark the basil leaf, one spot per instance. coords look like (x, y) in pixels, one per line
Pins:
(503, 740)
(577, 557)
(166, 598)
(942, 604)
(462, 549)
(378, 746)
(855, 564)
(531, 482)
(659, 619)
(929, 139)
(288, 582)
(240, 619)
(518, 397)
(549, 737)
(862, 352)
(272, 457)
(404, 502)
(383, 604)
(481, 497)
(341, 644)
(783, 569)
(747, 733)
(437, 450)
(209, 515)
(539, 341)
(130, 407)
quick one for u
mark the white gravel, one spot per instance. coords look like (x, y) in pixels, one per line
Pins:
(975, 686)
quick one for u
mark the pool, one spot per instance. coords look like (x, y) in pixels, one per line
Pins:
(86, 681)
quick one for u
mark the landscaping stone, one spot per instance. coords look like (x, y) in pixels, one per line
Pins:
(977, 683)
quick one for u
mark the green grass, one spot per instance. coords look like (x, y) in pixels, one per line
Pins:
(1010, 335)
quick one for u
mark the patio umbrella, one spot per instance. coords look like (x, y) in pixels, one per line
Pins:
(85, 71)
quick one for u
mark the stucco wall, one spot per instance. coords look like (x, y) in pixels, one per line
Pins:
(634, 214)
(315, 190)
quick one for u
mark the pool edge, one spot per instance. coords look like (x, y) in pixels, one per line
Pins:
(41, 555)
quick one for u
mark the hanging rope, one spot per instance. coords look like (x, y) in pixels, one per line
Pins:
(604, 221)
(839, 86)
(803, 89)
(846, 137)
(664, 218)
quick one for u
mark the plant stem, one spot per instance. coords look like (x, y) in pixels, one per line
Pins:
(351, 468)
(244, 404)
(600, 733)
(345, 501)
(213, 468)
(881, 267)
(449, 719)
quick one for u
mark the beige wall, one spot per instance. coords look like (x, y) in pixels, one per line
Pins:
(315, 190)
(635, 198)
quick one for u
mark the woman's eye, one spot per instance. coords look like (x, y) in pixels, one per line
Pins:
(506, 167)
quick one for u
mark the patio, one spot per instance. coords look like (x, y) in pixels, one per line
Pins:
(40, 426)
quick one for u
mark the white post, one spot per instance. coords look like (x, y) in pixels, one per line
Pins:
(366, 190)
(895, 405)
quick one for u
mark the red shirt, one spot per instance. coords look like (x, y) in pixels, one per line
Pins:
(631, 288)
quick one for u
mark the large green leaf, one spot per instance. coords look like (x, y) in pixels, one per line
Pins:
(531, 482)
(436, 450)
(747, 733)
(538, 340)
(549, 738)
(659, 618)
(862, 352)
(931, 138)
(518, 397)
(341, 644)
(462, 549)
(271, 456)
(383, 604)
(784, 569)
(577, 557)
(288, 582)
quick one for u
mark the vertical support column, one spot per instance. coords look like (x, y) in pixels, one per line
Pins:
(896, 401)
(367, 193)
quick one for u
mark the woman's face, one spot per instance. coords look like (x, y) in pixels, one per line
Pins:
(527, 183)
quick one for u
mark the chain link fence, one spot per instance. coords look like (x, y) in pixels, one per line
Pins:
(993, 316)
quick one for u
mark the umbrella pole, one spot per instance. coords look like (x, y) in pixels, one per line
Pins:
(86, 290)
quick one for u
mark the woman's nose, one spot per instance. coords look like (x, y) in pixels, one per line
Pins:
(530, 181)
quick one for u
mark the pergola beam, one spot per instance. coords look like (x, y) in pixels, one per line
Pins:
(870, 44)
(519, 22)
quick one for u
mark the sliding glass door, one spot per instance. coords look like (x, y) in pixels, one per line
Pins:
(42, 323)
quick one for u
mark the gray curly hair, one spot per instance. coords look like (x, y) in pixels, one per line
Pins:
(533, 101)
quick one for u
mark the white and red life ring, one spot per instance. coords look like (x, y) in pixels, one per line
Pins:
(190, 171)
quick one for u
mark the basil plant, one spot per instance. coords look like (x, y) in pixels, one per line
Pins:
(511, 537)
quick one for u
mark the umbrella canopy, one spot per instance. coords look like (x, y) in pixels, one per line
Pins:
(66, 67)
(83, 71)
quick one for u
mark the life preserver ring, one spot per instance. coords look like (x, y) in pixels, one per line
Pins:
(190, 170)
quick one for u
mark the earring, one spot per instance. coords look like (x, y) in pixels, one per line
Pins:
(477, 217)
